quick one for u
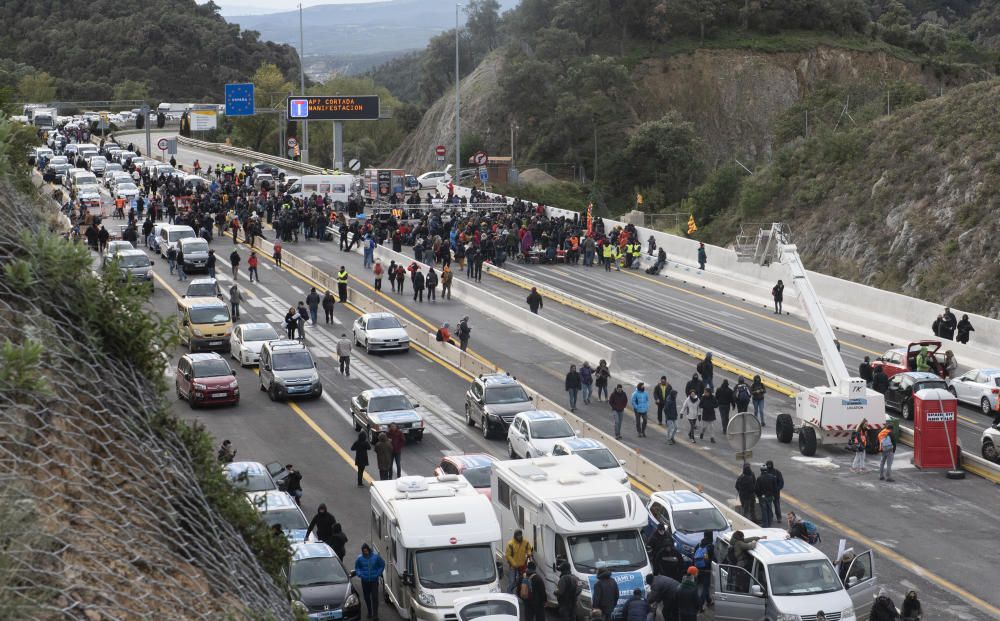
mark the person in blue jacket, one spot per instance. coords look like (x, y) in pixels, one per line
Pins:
(369, 567)
(640, 405)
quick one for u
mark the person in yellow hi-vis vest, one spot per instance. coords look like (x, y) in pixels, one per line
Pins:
(606, 254)
(342, 284)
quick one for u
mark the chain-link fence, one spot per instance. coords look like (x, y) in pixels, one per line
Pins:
(101, 512)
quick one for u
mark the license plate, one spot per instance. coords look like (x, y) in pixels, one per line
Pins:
(215, 342)
(327, 614)
(219, 395)
(298, 389)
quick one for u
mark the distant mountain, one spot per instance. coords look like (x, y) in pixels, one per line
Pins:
(359, 29)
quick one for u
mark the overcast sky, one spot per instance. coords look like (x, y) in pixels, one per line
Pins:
(250, 7)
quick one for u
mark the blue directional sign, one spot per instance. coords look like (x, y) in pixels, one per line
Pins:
(239, 99)
(484, 175)
(298, 108)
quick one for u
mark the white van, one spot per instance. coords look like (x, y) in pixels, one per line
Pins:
(437, 536)
(170, 234)
(571, 511)
(337, 187)
(790, 579)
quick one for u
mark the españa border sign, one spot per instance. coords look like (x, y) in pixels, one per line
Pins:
(333, 108)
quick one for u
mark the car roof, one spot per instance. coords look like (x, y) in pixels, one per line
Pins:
(498, 379)
(389, 391)
(919, 375)
(203, 356)
(535, 415)
(989, 371)
(473, 460)
(252, 468)
(203, 281)
(285, 345)
(683, 499)
(255, 325)
(272, 500)
(302, 551)
(191, 240)
(130, 252)
(777, 548)
(175, 227)
(581, 444)
(376, 315)
(196, 302)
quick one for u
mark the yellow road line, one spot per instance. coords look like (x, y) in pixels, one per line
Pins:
(645, 489)
(712, 326)
(771, 317)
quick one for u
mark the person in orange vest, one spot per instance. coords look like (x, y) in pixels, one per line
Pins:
(887, 446)
(120, 207)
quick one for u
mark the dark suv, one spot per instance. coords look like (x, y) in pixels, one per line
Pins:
(493, 401)
(899, 395)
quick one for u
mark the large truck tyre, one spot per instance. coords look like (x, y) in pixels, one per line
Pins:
(807, 441)
(784, 428)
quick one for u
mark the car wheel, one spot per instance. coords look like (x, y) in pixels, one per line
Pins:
(510, 450)
(357, 425)
(180, 396)
(485, 424)
(984, 406)
(367, 350)
(951, 389)
(262, 389)
(468, 417)
(419, 436)
(990, 452)
(906, 410)
(272, 393)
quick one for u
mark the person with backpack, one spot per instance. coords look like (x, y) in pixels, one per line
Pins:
(746, 487)
(567, 592)
(464, 331)
(859, 444)
(702, 558)
(887, 446)
(431, 282)
(532, 592)
(741, 396)
(802, 529)
(706, 368)
(586, 382)
(757, 391)
(636, 608)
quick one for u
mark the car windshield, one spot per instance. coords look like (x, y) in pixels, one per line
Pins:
(393, 403)
(317, 571)
(548, 429)
(383, 323)
(488, 608)
(291, 361)
(804, 578)
(456, 567)
(621, 550)
(599, 458)
(205, 290)
(196, 246)
(699, 520)
(505, 394)
(478, 477)
(930, 384)
(289, 520)
(133, 260)
(126, 186)
(212, 368)
(248, 482)
(260, 334)
(210, 314)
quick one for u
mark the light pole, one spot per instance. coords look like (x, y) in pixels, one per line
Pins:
(302, 86)
(458, 106)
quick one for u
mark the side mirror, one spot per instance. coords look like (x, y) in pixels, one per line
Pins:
(234, 373)
(756, 591)
(267, 367)
(152, 262)
(852, 581)
(621, 462)
(416, 405)
(531, 398)
(354, 574)
(408, 579)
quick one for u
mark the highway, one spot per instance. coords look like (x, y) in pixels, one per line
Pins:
(903, 522)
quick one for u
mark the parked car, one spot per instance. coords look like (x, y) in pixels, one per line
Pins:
(251, 476)
(278, 508)
(322, 587)
(475, 467)
(535, 433)
(899, 395)
(206, 378)
(429, 180)
(687, 515)
(375, 409)
(380, 332)
(203, 288)
(493, 401)
(597, 454)
(900, 359)
(979, 387)
(990, 441)
(248, 339)
(492, 607)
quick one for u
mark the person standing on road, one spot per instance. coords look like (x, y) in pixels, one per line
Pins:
(572, 386)
(670, 414)
(724, 400)
(446, 278)
(383, 455)
(181, 274)
(418, 284)
(880, 381)
(322, 524)
(360, 448)
(398, 442)
(948, 324)
(339, 539)
(277, 253)
(368, 567)
(865, 371)
(252, 263)
(234, 301)
(688, 603)
(344, 354)
(312, 301)
(757, 391)
(741, 396)
(778, 293)
(586, 382)
(605, 592)
(464, 332)
(766, 489)
(400, 277)
(234, 261)
(226, 453)
(431, 283)
(301, 317)
(706, 368)
(516, 555)
(342, 284)
(704, 554)
(535, 606)
(964, 328)
(391, 274)
(702, 256)
(640, 406)
(567, 592)
(378, 270)
(859, 443)
(601, 376)
(660, 392)
(663, 591)
(746, 489)
(636, 608)
(689, 410)
(779, 484)
(290, 323)
(618, 402)
(708, 415)
(534, 300)
(329, 303)
(293, 483)
(172, 259)
(887, 446)
(210, 264)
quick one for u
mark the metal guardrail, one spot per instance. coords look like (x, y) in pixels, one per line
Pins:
(251, 155)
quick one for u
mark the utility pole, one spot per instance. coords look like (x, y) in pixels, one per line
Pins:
(302, 86)
(458, 107)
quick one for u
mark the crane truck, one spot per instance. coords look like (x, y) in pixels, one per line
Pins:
(823, 414)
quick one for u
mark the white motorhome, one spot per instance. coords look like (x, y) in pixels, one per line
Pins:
(337, 187)
(571, 511)
(437, 536)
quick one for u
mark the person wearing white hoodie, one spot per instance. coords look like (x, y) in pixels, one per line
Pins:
(690, 410)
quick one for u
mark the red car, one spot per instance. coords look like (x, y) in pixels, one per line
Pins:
(476, 467)
(206, 379)
(900, 359)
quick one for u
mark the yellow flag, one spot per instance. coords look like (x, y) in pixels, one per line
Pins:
(638, 199)
(692, 227)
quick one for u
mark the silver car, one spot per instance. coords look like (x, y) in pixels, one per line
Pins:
(978, 387)
(195, 253)
(380, 332)
(374, 410)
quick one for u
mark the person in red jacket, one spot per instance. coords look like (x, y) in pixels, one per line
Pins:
(252, 266)
(398, 442)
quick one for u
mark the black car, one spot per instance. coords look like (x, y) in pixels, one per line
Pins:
(899, 396)
(264, 167)
(321, 586)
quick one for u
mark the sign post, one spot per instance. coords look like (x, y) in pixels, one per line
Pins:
(162, 144)
(743, 433)
(240, 99)
(440, 151)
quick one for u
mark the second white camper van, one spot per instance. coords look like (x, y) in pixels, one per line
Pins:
(336, 187)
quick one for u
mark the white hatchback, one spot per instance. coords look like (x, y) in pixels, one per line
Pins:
(535, 433)
(978, 387)
(247, 341)
(380, 332)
